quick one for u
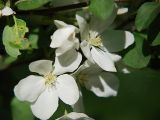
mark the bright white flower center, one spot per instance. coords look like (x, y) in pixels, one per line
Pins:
(94, 39)
(50, 79)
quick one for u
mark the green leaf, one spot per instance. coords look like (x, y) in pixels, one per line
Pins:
(21, 110)
(14, 38)
(135, 58)
(30, 4)
(157, 40)
(146, 14)
(8, 38)
(102, 8)
(20, 30)
(21, 27)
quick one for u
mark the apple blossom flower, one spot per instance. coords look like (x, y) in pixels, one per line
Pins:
(64, 38)
(98, 44)
(75, 116)
(101, 83)
(67, 57)
(6, 11)
(44, 91)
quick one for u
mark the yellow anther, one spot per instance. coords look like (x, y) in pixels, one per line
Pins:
(50, 79)
(96, 41)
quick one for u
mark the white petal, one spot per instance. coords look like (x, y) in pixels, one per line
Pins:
(86, 50)
(88, 69)
(46, 104)
(103, 85)
(80, 116)
(7, 11)
(29, 88)
(60, 24)
(129, 37)
(75, 116)
(115, 57)
(62, 35)
(99, 25)
(79, 106)
(74, 44)
(67, 89)
(82, 67)
(124, 68)
(67, 62)
(123, 39)
(64, 48)
(41, 66)
(103, 59)
(122, 11)
(84, 27)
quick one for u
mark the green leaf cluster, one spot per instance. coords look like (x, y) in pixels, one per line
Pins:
(14, 37)
(30, 4)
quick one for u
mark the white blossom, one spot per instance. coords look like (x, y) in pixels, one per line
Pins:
(101, 83)
(67, 57)
(6, 11)
(64, 38)
(75, 116)
(94, 47)
(44, 90)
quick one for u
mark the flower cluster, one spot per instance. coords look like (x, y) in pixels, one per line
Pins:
(59, 79)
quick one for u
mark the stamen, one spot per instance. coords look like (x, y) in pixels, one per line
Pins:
(50, 79)
(96, 41)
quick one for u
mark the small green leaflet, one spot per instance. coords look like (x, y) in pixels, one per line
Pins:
(30, 4)
(13, 38)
